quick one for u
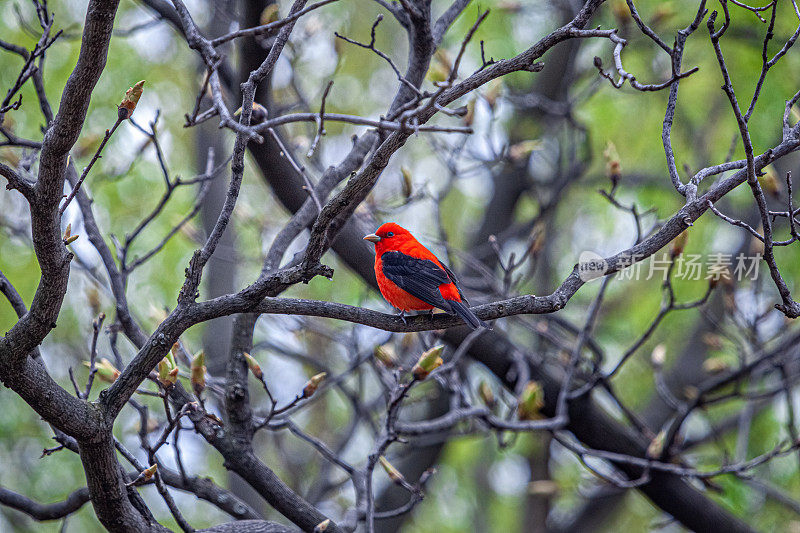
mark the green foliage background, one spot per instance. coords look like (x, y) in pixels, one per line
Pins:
(125, 188)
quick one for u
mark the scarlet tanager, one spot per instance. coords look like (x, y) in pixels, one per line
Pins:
(411, 278)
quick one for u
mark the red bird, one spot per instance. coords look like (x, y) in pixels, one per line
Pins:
(411, 278)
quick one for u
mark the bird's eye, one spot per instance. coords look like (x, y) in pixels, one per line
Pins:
(390, 234)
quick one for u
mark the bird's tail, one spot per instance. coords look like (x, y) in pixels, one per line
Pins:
(461, 309)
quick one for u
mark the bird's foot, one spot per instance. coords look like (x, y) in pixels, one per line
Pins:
(403, 317)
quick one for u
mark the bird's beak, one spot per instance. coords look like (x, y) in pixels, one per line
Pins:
(372, 238)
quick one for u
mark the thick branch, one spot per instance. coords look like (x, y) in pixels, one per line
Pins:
(44, 511)
(50, 250)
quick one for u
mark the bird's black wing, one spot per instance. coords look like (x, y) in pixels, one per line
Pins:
(418, 277)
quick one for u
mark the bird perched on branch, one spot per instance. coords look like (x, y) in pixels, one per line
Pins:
(411, 278)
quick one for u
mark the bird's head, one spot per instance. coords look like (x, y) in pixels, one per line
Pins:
(389, 235)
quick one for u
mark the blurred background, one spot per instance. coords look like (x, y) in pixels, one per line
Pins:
(530, 174)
